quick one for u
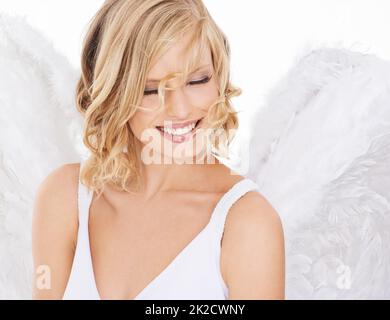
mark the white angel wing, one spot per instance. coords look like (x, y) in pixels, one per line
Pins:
(40, 129)
(322, 158)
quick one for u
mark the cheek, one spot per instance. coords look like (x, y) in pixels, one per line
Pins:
(203, 97)
(137, 124)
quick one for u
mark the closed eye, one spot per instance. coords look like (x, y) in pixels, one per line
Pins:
(193, 83)
(204, 80)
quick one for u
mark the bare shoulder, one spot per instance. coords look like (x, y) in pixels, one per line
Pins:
(253, 257)
(254, 209)
(60, 184)
(54, 231)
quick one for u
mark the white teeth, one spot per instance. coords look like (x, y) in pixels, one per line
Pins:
(179, 131)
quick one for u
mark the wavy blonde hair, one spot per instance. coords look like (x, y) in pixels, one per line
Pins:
(124, 39)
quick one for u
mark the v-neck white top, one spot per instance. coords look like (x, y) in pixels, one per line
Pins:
(194, 274)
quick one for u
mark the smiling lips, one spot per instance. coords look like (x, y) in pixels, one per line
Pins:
(178, 129)
(179, 132)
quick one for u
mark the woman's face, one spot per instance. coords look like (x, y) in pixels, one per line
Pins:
(178, 130)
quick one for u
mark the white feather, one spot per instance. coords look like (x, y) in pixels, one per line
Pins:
(321, 145)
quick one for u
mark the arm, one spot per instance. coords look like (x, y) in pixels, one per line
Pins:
(54, 232)
(253, 250)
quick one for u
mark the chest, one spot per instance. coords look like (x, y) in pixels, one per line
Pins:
(133, 243)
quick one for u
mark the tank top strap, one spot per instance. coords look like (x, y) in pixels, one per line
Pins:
(228, 199)
(81, 284)
(84, 200)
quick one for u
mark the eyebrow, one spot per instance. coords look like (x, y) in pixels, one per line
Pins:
(150, 81)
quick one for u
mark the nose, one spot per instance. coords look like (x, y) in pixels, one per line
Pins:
(177, 104)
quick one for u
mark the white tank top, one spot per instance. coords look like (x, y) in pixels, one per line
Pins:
(194, 274)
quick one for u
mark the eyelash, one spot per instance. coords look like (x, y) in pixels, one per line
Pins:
(202, 81)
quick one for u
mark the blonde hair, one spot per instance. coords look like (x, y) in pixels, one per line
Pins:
(123, 41)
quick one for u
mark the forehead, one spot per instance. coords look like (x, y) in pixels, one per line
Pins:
(174, 60)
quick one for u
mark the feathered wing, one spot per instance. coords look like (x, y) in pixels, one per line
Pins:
(40, 130)
(321, 155)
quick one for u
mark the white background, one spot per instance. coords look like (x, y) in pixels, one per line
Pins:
(266, 37)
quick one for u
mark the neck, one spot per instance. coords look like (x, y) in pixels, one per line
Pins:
(171, 175)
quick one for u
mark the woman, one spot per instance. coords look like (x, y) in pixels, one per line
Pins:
(153, 213)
